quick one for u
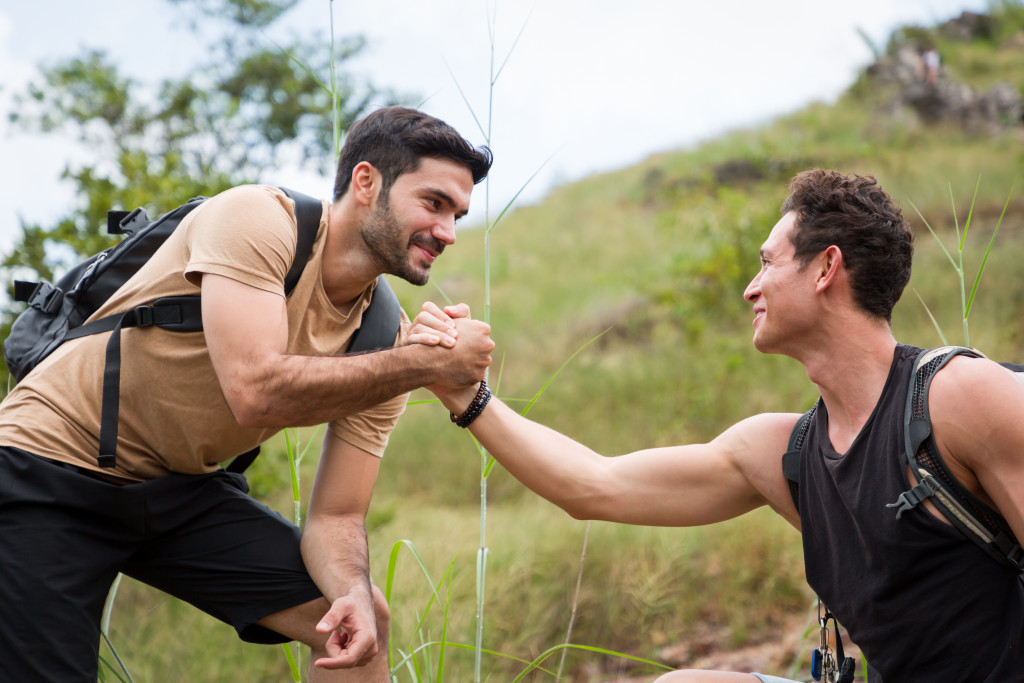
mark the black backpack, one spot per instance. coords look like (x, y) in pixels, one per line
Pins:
(57, 312)
(966, 512)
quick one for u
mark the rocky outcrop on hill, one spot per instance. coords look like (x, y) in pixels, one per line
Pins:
(914, 79)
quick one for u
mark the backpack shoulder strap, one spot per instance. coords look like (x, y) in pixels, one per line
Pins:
(791, 458)
(308, 211)
(960, 507)
(380, 323)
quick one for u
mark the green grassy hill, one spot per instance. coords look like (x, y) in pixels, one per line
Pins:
(645, 267)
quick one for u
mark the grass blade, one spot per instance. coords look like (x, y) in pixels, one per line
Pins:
(984, 260)
(293, 664)
(970, 213)
(513, 48)
(468, 105)
(935, 235)
(516, 196)
(559, 370)
(586, 648)
(935, 323)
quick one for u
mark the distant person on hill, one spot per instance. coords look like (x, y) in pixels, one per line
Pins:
(166, 513)
(922, 601)
(931, 62)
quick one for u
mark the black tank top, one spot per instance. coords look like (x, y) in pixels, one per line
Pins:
(921, 600)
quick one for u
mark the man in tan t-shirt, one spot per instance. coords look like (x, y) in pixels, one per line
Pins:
(167, 514)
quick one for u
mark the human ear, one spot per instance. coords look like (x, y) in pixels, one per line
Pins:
(831, 260)
(365, 182)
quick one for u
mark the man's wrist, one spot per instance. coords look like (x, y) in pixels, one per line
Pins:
(475, 407)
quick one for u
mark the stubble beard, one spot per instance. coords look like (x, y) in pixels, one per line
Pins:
(386, 240)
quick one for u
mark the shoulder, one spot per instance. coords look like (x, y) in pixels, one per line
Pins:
(240, 212)
(250, 200)
(968, 384)
(973, 401)
(765, 431)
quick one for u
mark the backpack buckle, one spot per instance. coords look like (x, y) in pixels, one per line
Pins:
(126, 222)
(1016, 558)
(915, 496)
(143, 316)
(45, 297)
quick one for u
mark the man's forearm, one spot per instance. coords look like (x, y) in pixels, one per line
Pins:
(277, 390)
(550, 464)
(334, 549)
(307, 390)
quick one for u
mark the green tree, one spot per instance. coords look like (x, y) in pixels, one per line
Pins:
(228, 120)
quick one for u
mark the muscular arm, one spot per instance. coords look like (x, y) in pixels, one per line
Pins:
(334, 549)
(977, 413)
(247, 333)
(678, 486)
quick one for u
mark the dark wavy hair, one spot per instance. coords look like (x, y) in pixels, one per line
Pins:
(395, 139)
(854, 213)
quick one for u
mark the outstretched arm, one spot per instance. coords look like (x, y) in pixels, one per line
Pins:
(678, 486)
(247, 334)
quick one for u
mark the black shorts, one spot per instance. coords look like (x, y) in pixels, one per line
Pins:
(65, 535)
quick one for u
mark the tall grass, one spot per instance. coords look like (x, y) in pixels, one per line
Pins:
(966, 301)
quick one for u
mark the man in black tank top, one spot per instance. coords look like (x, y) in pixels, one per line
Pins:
(921, 600)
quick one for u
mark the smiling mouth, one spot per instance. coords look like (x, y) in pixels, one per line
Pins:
(427, 253)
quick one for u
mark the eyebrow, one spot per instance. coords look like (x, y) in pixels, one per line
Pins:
(447, 198)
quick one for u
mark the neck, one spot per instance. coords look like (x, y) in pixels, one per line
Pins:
(850, 374)
(348, 268)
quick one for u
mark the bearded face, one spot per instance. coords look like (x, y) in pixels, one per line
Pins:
(396, 251)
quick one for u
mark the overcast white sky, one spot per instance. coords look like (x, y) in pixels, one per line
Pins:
(594, 85)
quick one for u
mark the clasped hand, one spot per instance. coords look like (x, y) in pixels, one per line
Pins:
(468, 340)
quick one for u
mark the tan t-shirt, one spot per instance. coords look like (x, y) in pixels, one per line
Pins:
(173, 415)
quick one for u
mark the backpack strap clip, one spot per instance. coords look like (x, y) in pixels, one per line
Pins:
(908, 500)
(1015, 555)
(143, 316)
(126, 222)
(43, 296)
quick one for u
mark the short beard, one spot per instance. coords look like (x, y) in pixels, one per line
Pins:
(386, 240)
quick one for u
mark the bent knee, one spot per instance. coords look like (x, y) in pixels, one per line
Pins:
(381, 610)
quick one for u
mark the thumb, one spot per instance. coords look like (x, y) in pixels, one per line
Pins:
(457, 310)
(330, 621)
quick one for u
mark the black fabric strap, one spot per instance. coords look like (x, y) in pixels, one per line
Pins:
(111, 396)
(791, 458)
(308, 212)
(381, 320)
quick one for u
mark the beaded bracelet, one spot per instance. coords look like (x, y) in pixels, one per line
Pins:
(476, 406)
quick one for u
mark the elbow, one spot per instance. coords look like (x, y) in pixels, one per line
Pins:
(251, 409)
(579, 512)
(251, 414)
(251, 395)
(585, 506)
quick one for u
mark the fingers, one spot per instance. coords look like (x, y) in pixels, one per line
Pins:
(432, 327)
(428, 337)
(353, 635)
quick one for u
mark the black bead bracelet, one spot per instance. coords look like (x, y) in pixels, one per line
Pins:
(476, 406)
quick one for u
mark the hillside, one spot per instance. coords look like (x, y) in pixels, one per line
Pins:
(642, 271)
